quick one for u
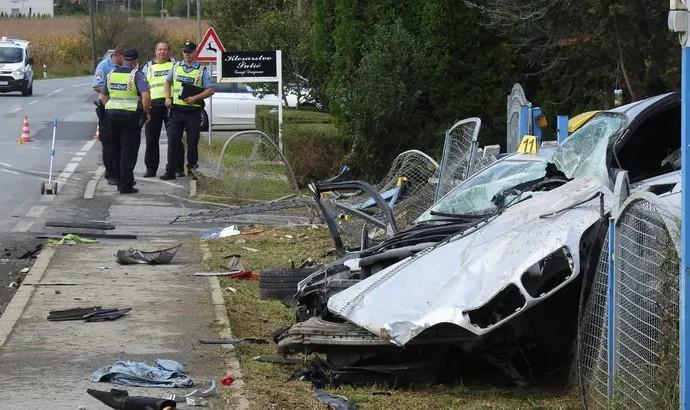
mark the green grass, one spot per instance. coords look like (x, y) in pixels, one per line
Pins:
(266, 384)
(64, 72)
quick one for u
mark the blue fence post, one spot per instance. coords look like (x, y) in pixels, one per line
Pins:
(611, 303)
(685, 232)
(561, 127)
(536, 131)
(524, 123)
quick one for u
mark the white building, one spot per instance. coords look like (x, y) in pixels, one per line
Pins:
(26, 7)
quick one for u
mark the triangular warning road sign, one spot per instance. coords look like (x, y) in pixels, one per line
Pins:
(209, 47)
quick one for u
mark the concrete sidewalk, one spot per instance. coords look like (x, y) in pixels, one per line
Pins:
(48, 365)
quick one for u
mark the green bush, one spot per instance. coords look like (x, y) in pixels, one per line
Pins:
(311, 142)
(314, 151)
(266, 118)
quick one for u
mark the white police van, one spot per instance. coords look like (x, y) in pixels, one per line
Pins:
(16, 66)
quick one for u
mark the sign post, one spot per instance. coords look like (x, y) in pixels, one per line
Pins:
(207, 51)
(254, 67)
(679, 22)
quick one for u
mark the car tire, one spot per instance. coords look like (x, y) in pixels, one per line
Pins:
(28, 90)
(203, 121)
(281, 283)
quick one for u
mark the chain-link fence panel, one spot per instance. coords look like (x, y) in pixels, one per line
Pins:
(408, 188)
(459, 155)
(646, 310)
(250, 169)
(593, 335)
(646, 351)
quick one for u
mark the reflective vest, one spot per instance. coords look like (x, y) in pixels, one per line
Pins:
(179, 77)
(122, 89)
(156, 74)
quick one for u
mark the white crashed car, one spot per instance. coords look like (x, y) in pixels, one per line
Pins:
(510, 276)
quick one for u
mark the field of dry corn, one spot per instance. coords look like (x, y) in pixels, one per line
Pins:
(62, 45)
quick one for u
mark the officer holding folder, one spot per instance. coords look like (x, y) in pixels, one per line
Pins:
(186, 87)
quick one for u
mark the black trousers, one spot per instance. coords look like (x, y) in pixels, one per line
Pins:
(106, 145)
(125, 133)
(182, 120)
(152, 156)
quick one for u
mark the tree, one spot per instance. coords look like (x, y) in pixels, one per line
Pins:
(399, 74)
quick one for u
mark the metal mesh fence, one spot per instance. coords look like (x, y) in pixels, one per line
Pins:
(459, 155)
(646, 317)
(409, 180)
(250, 170)
(593, 336)
(646, 311)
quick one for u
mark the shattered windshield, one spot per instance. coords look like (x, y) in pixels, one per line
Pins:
(584, 152)
(474, 196)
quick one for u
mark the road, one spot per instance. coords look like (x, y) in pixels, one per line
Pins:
(24, 166)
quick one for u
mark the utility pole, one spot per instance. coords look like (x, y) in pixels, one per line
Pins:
(188, 10)
(93, 31)
(128, 4)
(198, 20)
(142, 9)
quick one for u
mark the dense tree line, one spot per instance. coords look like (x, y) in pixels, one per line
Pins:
(398, 73)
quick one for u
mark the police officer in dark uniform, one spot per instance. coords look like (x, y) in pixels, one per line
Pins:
(187, 86)
(127, 99)
(102, 70)
(157, 71)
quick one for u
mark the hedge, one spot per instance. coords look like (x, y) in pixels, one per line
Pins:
(311, 142)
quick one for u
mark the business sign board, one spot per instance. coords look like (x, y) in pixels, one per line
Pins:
(254, 67)
(250, 65)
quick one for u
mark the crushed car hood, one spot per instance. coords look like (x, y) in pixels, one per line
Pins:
(444, 283)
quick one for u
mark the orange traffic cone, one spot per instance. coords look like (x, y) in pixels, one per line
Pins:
(97, 135)
(26, 135)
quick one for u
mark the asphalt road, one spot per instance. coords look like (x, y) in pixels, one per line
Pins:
(23, 167)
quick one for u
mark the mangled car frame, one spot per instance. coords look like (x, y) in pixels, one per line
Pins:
(492, 272)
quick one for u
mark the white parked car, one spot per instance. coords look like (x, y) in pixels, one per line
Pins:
(234, 106)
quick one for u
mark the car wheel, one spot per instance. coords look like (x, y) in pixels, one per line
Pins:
(281, 283)
(27, 90)
(31, 89)
(204, 120)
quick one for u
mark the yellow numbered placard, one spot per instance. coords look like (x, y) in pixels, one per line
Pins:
(528, 145)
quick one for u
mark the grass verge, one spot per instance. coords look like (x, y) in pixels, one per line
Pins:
(267, 385)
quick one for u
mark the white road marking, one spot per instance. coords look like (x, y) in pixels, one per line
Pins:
(22, 226)
(69, 168)
(32, 102)
(14, 110)
(5, 164)
(35, 211)
(47, 198)
(87, 146)
(80, 153)
(9, 171)
(76, 159)
(58, 90)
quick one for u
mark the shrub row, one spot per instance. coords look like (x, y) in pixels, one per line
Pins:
(311, 142)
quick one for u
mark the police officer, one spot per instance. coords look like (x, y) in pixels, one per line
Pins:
(185, 114)
(157, 71)
(126, 97)
(102, 70)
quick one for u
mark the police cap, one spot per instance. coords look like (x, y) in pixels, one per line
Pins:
(131, 54)
(189, 47)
